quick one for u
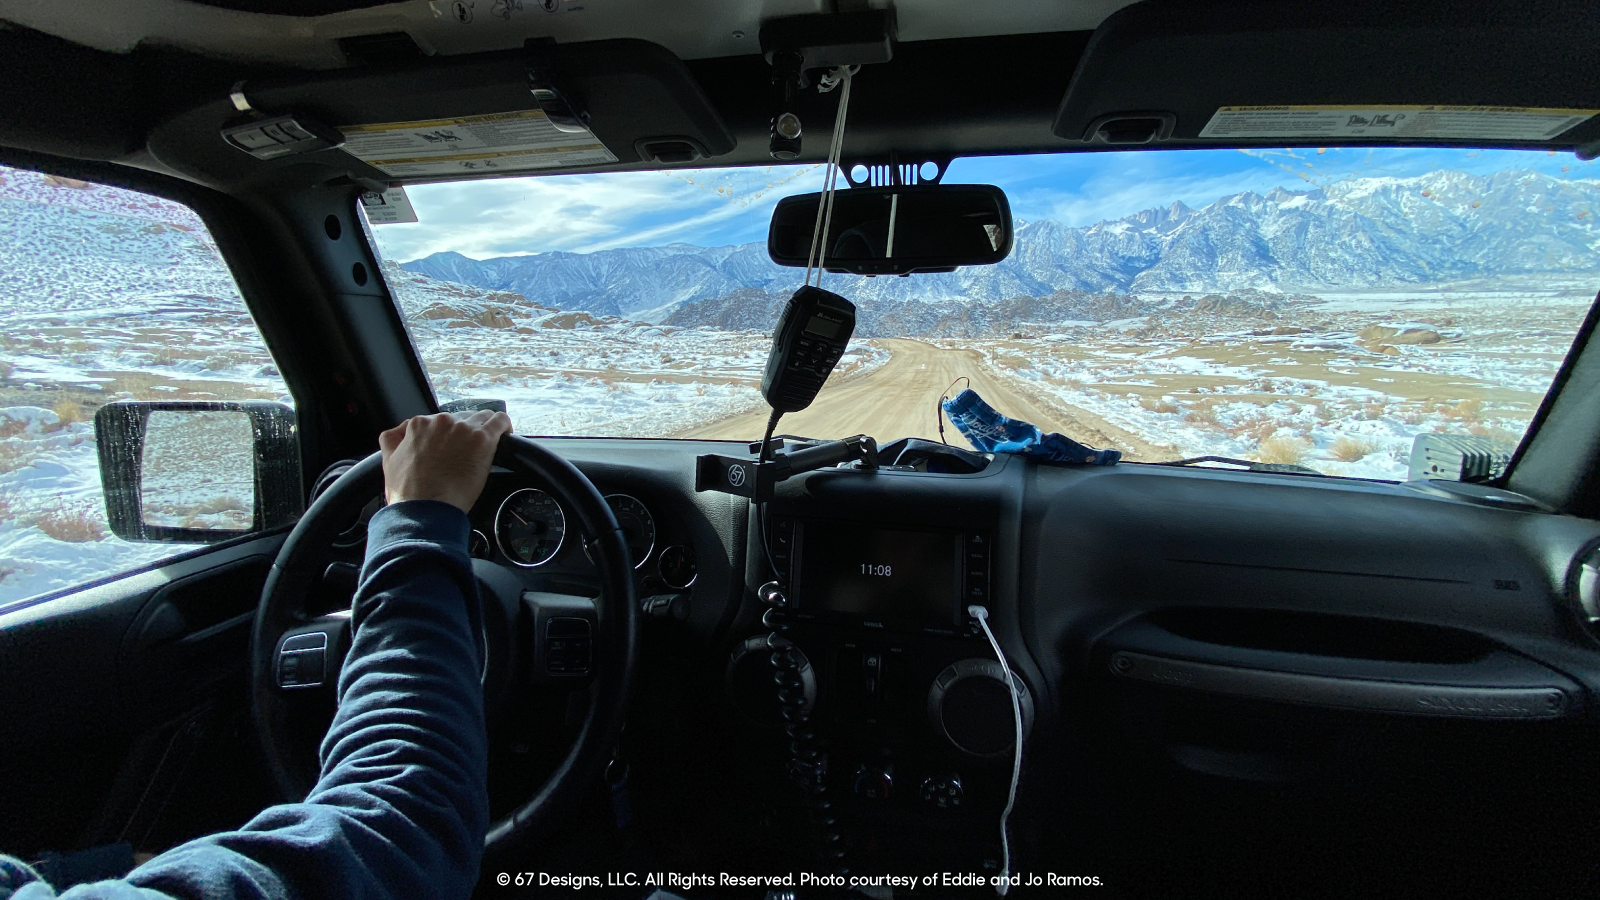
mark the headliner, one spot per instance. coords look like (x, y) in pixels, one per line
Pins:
(691, 29)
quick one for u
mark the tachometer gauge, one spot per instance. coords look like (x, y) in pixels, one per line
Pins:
(478, 546)
(530, 527)
(638, 527)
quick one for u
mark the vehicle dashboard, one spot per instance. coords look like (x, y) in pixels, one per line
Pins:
(1132, 590)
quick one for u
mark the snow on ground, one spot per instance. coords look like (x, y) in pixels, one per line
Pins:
(107, 294)
(573, 373)
(1342, 387)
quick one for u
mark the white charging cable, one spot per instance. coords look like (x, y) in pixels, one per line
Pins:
(982, 615)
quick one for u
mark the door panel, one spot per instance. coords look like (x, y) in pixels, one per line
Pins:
(125, 696)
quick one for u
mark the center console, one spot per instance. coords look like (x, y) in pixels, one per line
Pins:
(905, 690)
(878, 578)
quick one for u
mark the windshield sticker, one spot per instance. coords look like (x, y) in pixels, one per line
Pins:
(1497, 123)
(472, 145)
(392, 207)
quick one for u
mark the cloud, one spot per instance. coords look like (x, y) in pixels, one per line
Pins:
(585, 213)
(719, 206)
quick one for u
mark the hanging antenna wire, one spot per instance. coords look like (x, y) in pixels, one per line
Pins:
(819, 230)
(833, 175)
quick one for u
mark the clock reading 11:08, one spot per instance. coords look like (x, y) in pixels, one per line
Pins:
(870, 569)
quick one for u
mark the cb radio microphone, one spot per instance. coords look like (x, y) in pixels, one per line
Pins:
(811, 336)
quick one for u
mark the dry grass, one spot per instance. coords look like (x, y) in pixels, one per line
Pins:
(1159, 405)
(221, 503)
(1291, 451)
(74, 525)
(1467, 410)
(16, 455)
(1349, 449)
(1503, 438)
(69, 410)
(1202, 415)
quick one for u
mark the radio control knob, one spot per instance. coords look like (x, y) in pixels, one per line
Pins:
(941, 792)
(875, 782)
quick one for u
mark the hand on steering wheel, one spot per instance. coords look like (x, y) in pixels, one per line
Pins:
(441, 457)
(444, 458)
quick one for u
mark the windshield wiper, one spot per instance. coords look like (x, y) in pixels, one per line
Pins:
(1249, 464)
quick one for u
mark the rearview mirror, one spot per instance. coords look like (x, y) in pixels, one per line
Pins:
(897, 230)
(197, 473)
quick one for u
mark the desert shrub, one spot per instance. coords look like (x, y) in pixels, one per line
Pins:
(16, 455)
(1503, 438)
(1202, 415)
(6, 369)
(72, 524)
(1262, 431)
(1351, 449)
(1466, 410)
(1284, 450)
(221, 503)
(69, 410)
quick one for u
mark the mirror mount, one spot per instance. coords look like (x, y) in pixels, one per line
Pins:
(892, 170)
(120, 431)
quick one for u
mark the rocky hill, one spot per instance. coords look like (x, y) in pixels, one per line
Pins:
(1365, 232)
(753, 309)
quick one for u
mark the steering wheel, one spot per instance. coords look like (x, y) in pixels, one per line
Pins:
(291, 650)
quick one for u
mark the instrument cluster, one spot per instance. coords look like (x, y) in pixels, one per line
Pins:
(529, 528)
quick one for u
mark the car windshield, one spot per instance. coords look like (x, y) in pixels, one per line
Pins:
(1310, 307)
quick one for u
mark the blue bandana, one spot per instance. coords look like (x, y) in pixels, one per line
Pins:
(991, 432)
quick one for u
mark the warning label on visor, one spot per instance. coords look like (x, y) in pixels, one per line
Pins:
(1499, 123)
(473, 145)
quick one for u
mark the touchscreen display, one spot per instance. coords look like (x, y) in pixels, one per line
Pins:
(879, 574)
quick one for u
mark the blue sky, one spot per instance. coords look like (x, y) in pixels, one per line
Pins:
(713, 207)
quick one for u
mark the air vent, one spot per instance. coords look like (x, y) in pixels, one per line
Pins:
(380, 49)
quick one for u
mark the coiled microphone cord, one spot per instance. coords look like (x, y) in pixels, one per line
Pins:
(807, 765)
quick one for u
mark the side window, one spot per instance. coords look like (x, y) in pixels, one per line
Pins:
(110, 294)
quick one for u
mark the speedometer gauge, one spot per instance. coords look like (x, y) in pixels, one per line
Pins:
(638, 527)
(530, 527)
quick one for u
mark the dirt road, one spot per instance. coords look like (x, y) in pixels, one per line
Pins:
(900, 399)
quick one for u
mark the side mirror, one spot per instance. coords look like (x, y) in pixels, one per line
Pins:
(198, 473)
(897, 230)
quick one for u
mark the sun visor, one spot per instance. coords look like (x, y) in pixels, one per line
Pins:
(1465, 72)
(542, 109)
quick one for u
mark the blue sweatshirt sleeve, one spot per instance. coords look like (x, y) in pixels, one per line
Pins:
(401, 808)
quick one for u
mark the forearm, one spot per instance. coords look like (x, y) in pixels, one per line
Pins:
(407, 747)
(401, 808)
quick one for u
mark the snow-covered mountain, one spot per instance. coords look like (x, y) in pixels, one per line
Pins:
(1364, 232)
